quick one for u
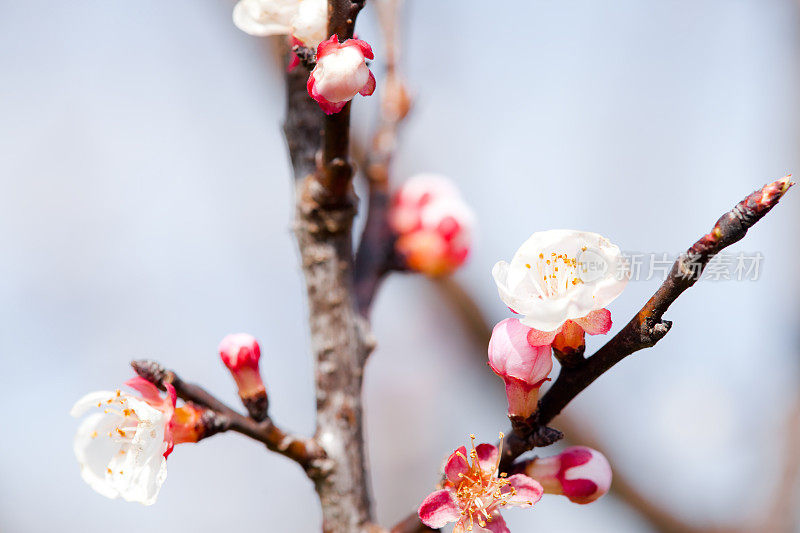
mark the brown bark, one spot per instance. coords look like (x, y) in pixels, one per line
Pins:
(340, 342)
(340, 338)
(306, 452)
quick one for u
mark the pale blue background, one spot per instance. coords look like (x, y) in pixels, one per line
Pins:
(145, 211)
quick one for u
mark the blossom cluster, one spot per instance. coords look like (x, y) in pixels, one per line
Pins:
(432, 223)
(559, 283)
(474, 492)
(122, 447)
(341, 70)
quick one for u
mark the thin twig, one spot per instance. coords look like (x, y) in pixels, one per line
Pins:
(576, 432)
(641, 332)
(335, 172)
(647, 327)
(305, 451)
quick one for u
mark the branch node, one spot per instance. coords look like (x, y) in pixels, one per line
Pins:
(570, 358)
(213, 423)
(306, 56)
(153, 372)
(544, 436)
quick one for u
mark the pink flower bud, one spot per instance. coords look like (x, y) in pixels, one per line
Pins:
(579, 473)
(240, 353)
(341, 73)
(432, 223)
(523, 367)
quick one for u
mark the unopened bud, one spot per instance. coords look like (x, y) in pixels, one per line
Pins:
(240, 352)
(524, 368)
(433, 225)
(581, 474)
(341, 73)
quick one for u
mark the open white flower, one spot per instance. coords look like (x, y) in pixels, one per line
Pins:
(561, 275)
(306, 20)
(122, 449)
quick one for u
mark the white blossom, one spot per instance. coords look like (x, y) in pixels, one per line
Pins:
(121, 449)
(560, 275)
(307, 20)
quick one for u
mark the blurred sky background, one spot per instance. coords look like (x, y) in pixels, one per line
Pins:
(146, 205)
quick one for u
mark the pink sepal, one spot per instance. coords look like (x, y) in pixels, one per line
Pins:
(295, 60)
(149, 392)
(541, 338)
(598, 322)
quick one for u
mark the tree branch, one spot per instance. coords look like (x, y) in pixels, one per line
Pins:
(340, 338)
(302, 125)
(647, 327)
(641, 332)
(303, 451)
(335, 172)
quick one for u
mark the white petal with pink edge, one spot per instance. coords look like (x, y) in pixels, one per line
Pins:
(559, 275)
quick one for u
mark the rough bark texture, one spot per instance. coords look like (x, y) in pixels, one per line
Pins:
(303, 125)
(340, 338)
(341, 343)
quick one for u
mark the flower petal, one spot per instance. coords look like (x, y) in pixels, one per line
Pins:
(497, 525)
(366, 49)
(254, 18)
(456, 464)
(369, 88)
(310, 22)
(527, 490)
(94, 449)
(512, 355)
(592, 274)
(327, 46)
(439, 509)
(93, 399)
(487, 457)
